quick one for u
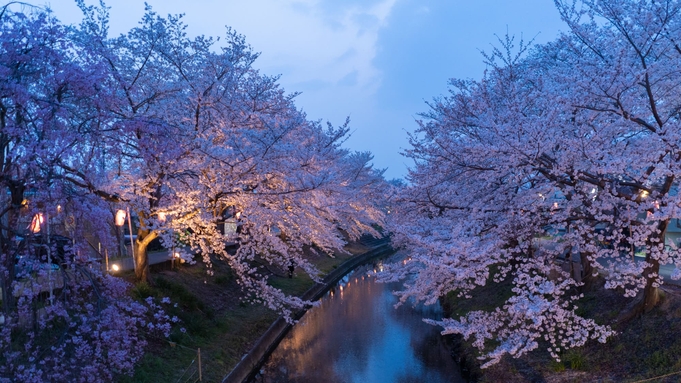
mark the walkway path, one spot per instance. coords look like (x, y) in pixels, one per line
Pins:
(154, 258)
(665, 270)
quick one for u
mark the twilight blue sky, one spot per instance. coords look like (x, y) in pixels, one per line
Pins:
(376, 61)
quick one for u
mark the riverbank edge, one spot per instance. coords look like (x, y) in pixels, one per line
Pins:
(465, 358)
(250, 364)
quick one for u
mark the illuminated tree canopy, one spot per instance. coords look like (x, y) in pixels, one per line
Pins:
(568, 149)
(182, 131)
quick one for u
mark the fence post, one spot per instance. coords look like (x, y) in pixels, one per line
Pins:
(198, 351)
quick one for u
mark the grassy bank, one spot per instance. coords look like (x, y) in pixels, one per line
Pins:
(215, 318)
(644, 347)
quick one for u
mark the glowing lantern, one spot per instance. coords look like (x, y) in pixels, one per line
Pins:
(120, 217)
(36, 223)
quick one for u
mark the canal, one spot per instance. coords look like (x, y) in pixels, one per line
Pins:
(356, 335)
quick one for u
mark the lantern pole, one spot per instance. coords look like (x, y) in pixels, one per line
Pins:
(49, 255)
(132, 244)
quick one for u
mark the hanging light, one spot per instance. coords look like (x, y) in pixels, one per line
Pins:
(120, 217)
(36, 223)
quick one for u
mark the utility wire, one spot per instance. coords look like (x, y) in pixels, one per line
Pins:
(185, 371)
(190, 376)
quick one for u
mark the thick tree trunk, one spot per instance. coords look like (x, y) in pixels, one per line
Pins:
(588, 279)
(144, 238)
(8, 250)
(651, 294)
(8, 275)
(650, 298)
(141, 261)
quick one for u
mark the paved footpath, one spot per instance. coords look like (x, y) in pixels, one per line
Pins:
(665, 270)
(154, 258)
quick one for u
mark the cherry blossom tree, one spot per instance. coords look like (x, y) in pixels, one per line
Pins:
(292, 188)
(566, 150)
(62, 321)
(186, 134)
(196, 135)
(46, 109)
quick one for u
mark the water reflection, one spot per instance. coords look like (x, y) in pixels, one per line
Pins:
(356, 335)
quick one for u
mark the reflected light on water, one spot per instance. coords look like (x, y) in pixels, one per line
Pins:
(362, 338)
